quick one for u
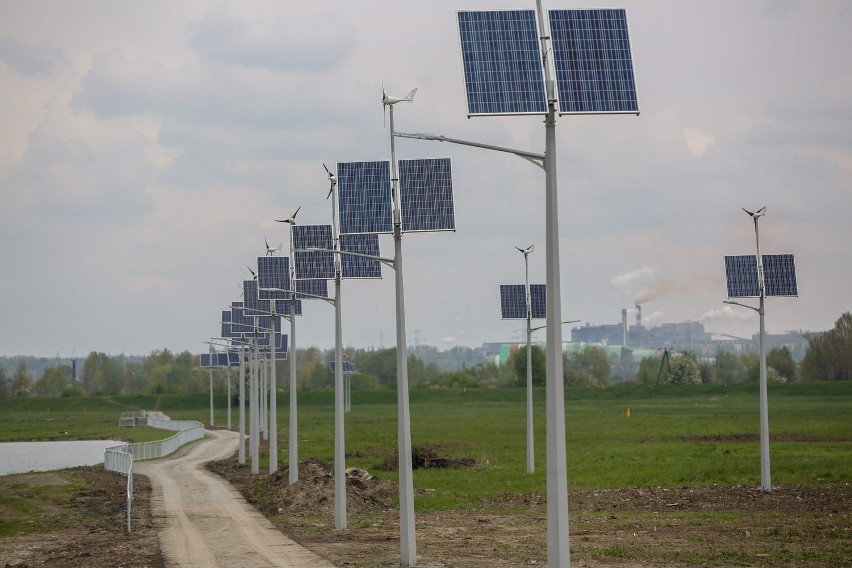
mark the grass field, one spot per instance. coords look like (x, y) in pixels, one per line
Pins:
(674, 436)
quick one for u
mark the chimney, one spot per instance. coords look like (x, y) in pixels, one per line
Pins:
(624, 327)
(638, 315)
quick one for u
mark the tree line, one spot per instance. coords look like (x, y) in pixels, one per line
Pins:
(829, 357)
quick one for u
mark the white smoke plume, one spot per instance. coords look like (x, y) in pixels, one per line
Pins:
(628, 282)
(728, 314)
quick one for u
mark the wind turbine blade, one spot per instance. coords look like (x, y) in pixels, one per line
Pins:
(326, 168)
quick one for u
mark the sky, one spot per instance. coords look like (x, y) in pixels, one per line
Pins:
(146, 149)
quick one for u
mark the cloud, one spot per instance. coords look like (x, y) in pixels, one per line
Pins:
(283, 42)
(697, 141)
(30, 59)
(626, 283)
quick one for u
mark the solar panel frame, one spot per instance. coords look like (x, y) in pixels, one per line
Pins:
(273, 272)
(593, 61)
(240, 324)
(364, 197)
(205, 360)
(513, 301)
(741, 276)
(359, 266)
(779, 274)
(501, 59)
(313, 265)
(226, 323)
(426, 195)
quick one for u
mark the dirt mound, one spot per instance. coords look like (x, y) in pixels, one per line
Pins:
(427, 458)
(313, 493)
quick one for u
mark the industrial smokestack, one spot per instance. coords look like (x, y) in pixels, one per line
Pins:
(638, 315)
(624, 327)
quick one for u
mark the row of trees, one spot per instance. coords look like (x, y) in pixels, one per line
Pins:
(829, 357)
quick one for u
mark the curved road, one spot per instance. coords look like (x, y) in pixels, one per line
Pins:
(204, 521)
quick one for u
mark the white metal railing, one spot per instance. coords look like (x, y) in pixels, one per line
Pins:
(120, 458)
(132, 419)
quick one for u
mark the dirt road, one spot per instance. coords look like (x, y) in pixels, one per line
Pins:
(203, 521)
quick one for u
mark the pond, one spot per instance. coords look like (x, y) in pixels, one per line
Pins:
(19, 457)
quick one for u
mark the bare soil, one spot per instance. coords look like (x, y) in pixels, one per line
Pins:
(803, 526)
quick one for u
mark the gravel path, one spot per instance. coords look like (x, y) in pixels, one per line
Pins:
(203, 521)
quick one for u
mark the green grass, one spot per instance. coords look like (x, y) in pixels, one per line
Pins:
(26, 507)
(656, 446)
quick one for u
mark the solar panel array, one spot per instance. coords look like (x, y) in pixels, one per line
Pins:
(359, 266)
(594, 66)
(273, 272)
(265, 351)
(426, 195)
(348, 367)
(779, 275)
(313, 265)
(364, 195)
(501, 55)
(513, 301)
(240, 324)
(210, 360)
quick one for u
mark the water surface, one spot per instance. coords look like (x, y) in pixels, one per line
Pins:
(19, 457)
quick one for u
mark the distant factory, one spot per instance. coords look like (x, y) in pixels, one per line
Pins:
(626, 342)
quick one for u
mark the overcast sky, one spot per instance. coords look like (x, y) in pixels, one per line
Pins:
(147, 147)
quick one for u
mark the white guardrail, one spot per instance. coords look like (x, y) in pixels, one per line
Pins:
(120, 458)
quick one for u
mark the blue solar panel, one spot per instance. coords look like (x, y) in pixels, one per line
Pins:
(348, 368)
(741, 274)
(204, 360)
(426, 194)
(273, 272)
(226, 323)
(250, 299)
(364, 195)
(513, 301)
(282, 307)
(311, 289)
(779, 274)
(233, 359)
(594, 66)
(359, 266)
(221, 359)
(240, 324)
(501, 53)
(313, 265)
(280, 347)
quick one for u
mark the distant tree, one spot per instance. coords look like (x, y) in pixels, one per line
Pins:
(649, 367)
(729, 367)
(781, 360)
(21, 382)
(4, 387)
(54, 381)
(707, 372)
(589, 367)
(829, 356)
(518, 363)
(684, 370)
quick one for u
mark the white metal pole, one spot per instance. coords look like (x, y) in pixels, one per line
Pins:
(273, 403)
(254, 412)
(558, 550)
(262, 390)
(211, 397)
(408, 543)
(242, 449)
(293, 434)
(339, 395)
(765, 477)
(229, 396)
(530, 442)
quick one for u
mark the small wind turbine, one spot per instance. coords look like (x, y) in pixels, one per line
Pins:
(388, 100)
(291, 219)
(272, 250)
(332, 179)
